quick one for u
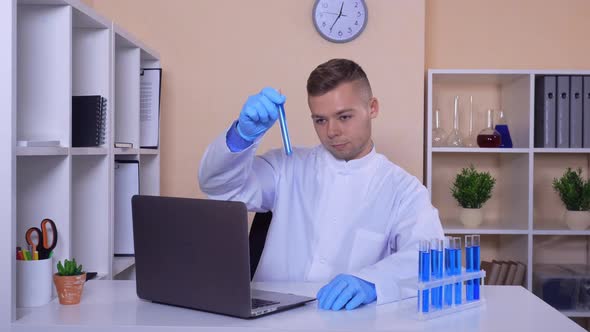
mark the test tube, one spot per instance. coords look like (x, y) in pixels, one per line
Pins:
(476, 264)
(436, 257)
(284, 130)
(469, 266)
(457, 269)
(449, 269)
(424, 273)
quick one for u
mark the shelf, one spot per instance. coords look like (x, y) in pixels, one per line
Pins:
(124, 151)
(42, 151)
(547, 227)
(576, 313)
(555, 150)
(89, 151)
(148, 151)
(484, 230)
(560, 232)
(479, 150)
(121, 264)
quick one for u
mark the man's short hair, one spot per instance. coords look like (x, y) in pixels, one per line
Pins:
(332, 73)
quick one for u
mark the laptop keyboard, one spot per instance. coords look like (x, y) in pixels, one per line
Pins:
(257, 303)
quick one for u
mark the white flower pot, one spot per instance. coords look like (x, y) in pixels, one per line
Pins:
(471, 218)
(577, 220)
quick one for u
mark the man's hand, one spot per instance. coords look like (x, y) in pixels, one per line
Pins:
(346, 291)
(259, 113)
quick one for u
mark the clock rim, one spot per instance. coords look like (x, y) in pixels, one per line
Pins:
(340, 41)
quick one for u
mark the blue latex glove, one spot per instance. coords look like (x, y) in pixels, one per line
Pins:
(346, 291)
(259, 113)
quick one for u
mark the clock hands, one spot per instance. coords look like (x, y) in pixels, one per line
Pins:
(337, 18)
(343, 15)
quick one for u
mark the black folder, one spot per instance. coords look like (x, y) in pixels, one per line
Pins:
(88, 120)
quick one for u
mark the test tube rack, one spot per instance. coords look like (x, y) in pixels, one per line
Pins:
(426, 306)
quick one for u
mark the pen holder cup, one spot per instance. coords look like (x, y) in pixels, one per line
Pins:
(34, 282)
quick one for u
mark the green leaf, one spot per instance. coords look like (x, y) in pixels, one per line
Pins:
(573, 191)
(471, 188)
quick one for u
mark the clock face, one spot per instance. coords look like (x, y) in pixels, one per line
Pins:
(340, 21)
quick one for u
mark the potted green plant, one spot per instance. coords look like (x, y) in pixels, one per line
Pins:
(472, 189)
(69, 281)
(575, 195)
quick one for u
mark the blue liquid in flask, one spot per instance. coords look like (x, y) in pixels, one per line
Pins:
(457, 271)
(424, 275)
(469, 268)
(476, 268)
(437, 273)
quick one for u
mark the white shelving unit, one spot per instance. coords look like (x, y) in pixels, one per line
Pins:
(52, 50)
(523, 219)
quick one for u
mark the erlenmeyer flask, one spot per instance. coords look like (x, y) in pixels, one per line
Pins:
(471, 139)
(438, 134)
(455, 139)
(489, 137)
(502, 128)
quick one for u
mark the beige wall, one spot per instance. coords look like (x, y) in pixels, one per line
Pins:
(519, 34)
(217, 52)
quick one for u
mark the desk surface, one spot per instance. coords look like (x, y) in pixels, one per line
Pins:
(114, 306)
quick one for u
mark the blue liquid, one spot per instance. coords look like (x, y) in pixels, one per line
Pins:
(457, 271)
(476, 267)
(449, 268)
(505, 134)
(437, 273)
(424, 275)
(469, 268)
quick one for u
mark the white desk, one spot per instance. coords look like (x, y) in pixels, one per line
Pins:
(114, 306)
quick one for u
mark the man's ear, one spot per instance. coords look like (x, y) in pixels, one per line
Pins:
(373, 107)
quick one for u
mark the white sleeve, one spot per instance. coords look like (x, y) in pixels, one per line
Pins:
(417, 220)
(239, 176)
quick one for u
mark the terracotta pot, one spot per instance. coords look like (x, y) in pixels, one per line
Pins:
(471, 218)
(577, 220)
(69, 288)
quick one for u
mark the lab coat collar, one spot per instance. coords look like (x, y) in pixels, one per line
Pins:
(355, 164)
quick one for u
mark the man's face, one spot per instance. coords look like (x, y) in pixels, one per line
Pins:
(342, 120)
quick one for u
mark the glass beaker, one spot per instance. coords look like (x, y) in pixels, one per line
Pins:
(489, 137)
(502, 128)
(438, 134)
(455, 139)
(471, 139)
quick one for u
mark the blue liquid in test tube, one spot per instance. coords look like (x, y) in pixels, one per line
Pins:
(469, 266)
(476, 264)
(449, 268)
(436, 255)
(457, 269)
(424, 274)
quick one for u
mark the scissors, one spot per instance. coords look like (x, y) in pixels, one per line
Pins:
(42, 245)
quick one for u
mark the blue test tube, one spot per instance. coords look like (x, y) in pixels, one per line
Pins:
(449, 269)
(469, 266)
(436, 257)
(476, 264)
(284, 130)
(457, 269)
(424, 273)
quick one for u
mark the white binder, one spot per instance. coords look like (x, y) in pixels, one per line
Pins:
(126, 185)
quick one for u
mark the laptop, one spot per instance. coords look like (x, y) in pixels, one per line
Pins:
(194, 253)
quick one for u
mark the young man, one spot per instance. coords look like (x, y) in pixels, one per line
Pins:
(340, 208)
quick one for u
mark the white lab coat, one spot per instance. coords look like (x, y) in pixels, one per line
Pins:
(363, 217)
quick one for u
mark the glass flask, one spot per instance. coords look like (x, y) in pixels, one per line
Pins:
(455, 139)
(438, 134)
(489, 137)
(471, 140)
(502, 128)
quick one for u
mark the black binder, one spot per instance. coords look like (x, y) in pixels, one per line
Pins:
(88, 120)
